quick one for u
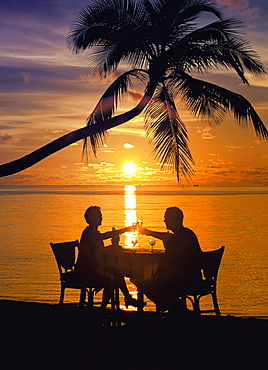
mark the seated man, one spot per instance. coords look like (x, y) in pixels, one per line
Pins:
(181, 265)
(90, 258)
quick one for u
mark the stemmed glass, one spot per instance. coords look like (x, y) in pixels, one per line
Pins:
(135, 230)
(136, 225)
(134, 242)
(152, 243)
(139, 223)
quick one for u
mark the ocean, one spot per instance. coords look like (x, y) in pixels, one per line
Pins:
(33, 216)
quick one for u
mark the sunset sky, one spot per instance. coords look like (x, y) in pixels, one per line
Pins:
(46, 91)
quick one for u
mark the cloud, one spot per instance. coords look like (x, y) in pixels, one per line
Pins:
(53, 131)
(8, 139)
(96, 166)
(129, 130)
(240, 7)
(128, 146)
(232, 148)
(134, 95)
(93, 77)
(205, 132)
(86, 78)
(220, 161)
(258, 142)
(255, 171)
(26, 77)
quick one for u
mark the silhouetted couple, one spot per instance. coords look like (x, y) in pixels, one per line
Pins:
(99, 266)
(105, 267)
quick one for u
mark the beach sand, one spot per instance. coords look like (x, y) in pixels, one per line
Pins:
(44, 336)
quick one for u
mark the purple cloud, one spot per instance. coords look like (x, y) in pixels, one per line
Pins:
(8, 139)
(25, 77)
(240, 7)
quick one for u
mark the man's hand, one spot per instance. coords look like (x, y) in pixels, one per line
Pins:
(144, 231)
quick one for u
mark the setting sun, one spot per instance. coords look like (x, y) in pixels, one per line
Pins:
(130, 168)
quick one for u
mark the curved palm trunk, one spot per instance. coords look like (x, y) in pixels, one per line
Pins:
(38, 155)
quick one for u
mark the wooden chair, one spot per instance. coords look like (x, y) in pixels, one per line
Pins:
(210, 266)
(65, 256)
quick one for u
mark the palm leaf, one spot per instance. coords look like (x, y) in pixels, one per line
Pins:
(106, 107)
(213, 46)
(210, 100)
(115, 27)
(178, 12)
(167, 133)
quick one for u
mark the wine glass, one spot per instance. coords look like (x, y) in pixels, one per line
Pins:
(134, 242)
(152, 243)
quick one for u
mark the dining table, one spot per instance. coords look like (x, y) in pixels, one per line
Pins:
(143, 265)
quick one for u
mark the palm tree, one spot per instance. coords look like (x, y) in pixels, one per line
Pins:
(165, 47)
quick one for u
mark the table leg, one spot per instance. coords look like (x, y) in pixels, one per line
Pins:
(140, 302)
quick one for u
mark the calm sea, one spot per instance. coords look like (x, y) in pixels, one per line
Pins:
(32, 217)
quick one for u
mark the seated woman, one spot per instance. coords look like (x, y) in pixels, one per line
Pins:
(90, 267)
(181, 265)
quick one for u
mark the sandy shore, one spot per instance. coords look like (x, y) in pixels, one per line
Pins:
(43, 336)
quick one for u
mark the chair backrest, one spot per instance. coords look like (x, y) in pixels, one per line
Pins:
(211, 262)
(65, 254)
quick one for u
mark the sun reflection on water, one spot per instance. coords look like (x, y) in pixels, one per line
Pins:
(130, 202)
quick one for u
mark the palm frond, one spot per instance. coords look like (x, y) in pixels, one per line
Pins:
(115, 27)
(178, 12)
(221, 44)
(189, 10)
(104, 60)
(167, 133)
(107, 105)
(210, 100)
(215, 45)
(90, 27)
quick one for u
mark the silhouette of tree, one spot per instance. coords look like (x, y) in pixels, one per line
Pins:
(166, 47)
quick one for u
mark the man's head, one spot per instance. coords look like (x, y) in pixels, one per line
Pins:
(93, 215)
(173, 218)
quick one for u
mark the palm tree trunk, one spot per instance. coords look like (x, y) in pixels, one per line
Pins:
(38, 155)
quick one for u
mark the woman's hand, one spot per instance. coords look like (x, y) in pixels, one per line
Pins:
(127, 229)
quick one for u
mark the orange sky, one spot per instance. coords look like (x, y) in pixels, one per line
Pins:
(45, 92)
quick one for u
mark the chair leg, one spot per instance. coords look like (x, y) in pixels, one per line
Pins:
(141, 302)
(117, 300)
(113, 301)
(90, 296)
(82, 297)
(215, 303)
(197, 305)
(62, 289)
(106, 297)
